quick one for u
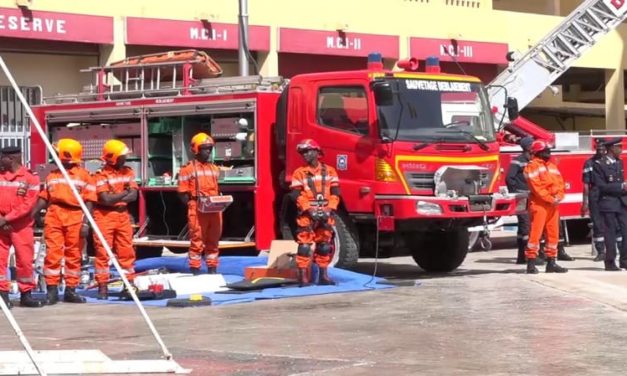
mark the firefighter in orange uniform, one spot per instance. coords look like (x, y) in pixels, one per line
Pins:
(65, 225)
(198, 179)
(19, 188)
(546, 187)
(316, 189)
(115, 188)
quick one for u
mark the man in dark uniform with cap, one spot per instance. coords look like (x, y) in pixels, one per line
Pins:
(591, 200)
(19, 189)
(610, 179)
(516, 183)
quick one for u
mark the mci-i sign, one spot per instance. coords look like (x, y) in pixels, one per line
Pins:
(195, 34)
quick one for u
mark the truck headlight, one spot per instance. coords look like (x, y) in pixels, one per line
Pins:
(428, 208)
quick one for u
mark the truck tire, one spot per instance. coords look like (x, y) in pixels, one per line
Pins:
(441, 251)
(346, 240)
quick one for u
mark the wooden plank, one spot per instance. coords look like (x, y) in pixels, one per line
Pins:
(224, 244)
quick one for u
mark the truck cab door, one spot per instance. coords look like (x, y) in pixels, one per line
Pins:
(340, 121)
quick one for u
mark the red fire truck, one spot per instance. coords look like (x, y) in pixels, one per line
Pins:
(416, 151)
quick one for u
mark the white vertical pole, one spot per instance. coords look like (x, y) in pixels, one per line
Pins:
(20, 335)
(94, 226)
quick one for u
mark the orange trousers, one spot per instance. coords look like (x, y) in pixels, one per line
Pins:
(205, 230)
(310, 232)
(62, 228)
(117, 230)
(544, 219)
(21, 238)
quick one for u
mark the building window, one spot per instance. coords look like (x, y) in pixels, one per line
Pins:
(344, 108)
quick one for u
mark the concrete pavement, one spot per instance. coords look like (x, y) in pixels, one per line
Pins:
(487, 318)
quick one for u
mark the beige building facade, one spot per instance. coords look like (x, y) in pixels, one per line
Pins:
(47, 42)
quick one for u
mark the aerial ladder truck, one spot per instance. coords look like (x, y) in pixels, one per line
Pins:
(528, 76)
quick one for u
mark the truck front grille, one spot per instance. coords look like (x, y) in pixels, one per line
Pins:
(419, 180)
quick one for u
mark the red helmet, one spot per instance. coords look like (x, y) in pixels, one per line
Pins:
(308, 144)
(538, 146)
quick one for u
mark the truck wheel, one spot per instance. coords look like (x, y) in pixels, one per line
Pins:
(346, 242)
(441, 251)
(473, 237)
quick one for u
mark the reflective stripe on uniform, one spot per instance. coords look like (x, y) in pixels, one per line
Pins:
(30, 187)
(599, 239)
(52, 271)
(122, 179)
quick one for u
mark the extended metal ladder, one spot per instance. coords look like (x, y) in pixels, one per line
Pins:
(159, 80)
(528, 76)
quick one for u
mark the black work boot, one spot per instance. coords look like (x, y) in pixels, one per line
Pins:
(552, 267)
(323, 278)
(70, 296)
(27, 300)
(4, 295)
(562, 255)
(622, 264)
(521, 259)
(302, 277)
(194, 271)
(610, 266)
(541, 254)
(531, 267)
(125, 294)
(212, 269)
(103, 291)
(52, 295)
(600, 248)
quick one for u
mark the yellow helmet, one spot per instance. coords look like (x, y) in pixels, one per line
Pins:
(200, 139)
(69, 150)
(112, 150)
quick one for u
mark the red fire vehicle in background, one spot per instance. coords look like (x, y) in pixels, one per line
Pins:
(416, 151)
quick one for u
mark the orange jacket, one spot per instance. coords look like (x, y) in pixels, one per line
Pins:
(545, 181)
(57, 190)
(205, 174)
(112, 180)
(309, 182)
(18, 193)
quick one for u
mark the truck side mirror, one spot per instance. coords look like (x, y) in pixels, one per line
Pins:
(382, 90)
(512, 108)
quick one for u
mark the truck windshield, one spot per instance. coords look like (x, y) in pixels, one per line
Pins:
(428, 110)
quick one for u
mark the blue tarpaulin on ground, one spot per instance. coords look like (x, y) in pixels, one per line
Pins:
(232, 268)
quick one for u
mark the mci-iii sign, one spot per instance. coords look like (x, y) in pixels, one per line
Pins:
(463, 51)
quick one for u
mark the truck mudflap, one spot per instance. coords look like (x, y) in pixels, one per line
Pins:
(476, 206)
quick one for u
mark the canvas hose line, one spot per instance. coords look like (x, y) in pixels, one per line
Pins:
(94, 225)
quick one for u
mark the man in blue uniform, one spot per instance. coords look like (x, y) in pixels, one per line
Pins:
(609, 177)
(516, 183)
(591, 200)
